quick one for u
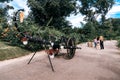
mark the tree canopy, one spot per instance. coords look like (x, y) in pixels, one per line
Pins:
(53, 12)
(91, 8)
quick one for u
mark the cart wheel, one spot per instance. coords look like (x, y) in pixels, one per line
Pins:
(70, 51)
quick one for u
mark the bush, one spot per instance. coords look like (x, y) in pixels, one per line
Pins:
(118, 37)
(119, 43)
(76, 36)
(44, 34)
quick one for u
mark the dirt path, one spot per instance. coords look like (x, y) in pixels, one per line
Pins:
(87, 64)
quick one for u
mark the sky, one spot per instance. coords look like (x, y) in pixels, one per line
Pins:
(75, 20)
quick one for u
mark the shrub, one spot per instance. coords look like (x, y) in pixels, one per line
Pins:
(118, 43)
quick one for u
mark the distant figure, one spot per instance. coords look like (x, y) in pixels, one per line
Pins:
(95, 42)
(98, 43)
(101, 42)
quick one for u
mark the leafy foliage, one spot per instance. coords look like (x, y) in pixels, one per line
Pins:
(118, 42)
(3, 19)
(91, 8)
(52, 11)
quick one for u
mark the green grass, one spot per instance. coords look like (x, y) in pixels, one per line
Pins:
(10, 52)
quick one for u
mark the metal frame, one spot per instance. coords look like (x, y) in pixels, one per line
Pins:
(69, 44)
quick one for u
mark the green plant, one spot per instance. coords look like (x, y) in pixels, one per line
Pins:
(118, 39)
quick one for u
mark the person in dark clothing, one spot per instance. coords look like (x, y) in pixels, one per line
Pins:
(101, 42)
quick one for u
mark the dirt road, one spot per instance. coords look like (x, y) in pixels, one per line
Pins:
(87, 64)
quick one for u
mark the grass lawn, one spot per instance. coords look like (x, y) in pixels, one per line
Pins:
(9, 52)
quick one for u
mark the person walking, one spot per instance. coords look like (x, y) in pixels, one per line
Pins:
(95, 42)
(101, 42)
(98, 43)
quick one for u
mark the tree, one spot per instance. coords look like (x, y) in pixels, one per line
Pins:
(3, 19)
(52, 12)
(3, 13)
(116, 26)
(93, 8)
(89, 30)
